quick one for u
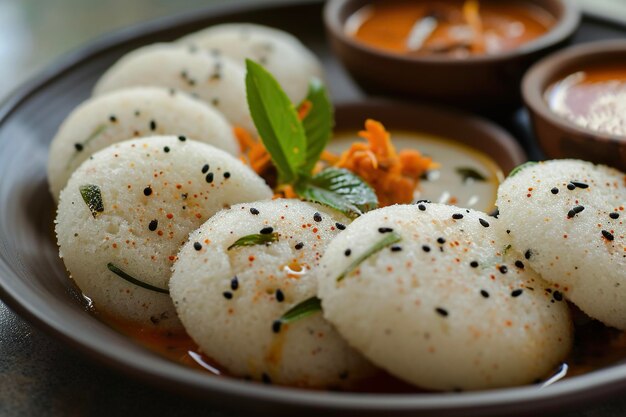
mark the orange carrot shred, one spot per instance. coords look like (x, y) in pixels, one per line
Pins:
(394, 176)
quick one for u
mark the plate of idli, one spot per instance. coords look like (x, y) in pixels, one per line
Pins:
(179, 179)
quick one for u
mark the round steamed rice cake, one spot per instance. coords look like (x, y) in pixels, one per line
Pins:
(145, 196)
(214, 79)
(279, 52)
(445, 307)
(568, 218)
(229, 299)
(125, 114)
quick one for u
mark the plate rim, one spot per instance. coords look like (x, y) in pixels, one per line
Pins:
(160, 372)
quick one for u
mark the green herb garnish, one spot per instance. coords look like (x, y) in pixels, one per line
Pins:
(96, 132)
(468, 173)
(276, 119)
(341, 190)
(518, 168)
(301, 310)
(295, 146)
(318, 124)
(388, 240)
(120, 273)
(253, 240)
(93, 198)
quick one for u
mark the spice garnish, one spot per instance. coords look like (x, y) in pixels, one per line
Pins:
(388, 240)
(518, 168)
(256, 239)
(120, 273)
(468, 173)
(301, 310)
(81, 145)
(93, 198)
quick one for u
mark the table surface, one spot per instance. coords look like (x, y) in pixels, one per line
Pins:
(39, 375)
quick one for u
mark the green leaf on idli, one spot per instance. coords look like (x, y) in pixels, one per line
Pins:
(318, 124)
(125, 276)
(340, 189)
(256, 239)
(301, 310)
(387, 240)
(277, 122)
(519, 168)
(79, 146)
(93, 198)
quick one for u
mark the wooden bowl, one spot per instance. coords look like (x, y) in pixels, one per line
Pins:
(557, 136)
(480, 83)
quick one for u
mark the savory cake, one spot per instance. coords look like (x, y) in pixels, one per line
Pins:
(241, 272)
(426, 292)
(128, 209)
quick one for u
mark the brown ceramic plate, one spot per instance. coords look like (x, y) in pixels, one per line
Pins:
(33, 281)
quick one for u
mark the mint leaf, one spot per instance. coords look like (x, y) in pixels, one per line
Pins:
(277, 122)
(388, 240)
(340, 189)
(518, 168)
(318, 124)
(253, 240)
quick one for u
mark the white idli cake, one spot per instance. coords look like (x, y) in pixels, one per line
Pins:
(568, 218)
(279, 52)
(127, 210)
(129, 113)
(212, 78)
(427, 293)
(229, 296)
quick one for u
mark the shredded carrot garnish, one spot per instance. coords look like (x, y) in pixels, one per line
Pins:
(254, 153)
(304, 109)
(285, 191)
(394, 176)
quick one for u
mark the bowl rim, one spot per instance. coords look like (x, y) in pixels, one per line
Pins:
(159, 372)
(537, 79)
(561, 31)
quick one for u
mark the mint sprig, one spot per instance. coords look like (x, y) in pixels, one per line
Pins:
(276, 120)
(295, 146)
(340, 189)
(318, 124)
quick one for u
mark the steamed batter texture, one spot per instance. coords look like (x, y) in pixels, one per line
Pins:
(127, 210)
(568, 218)
(230, 297)
(212, 78)
(279, 52)
(440, 303)
(127, 114)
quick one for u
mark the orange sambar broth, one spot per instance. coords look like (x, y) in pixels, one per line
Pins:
(389, 23)
(595, 346)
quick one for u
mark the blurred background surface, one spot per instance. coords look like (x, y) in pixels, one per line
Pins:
(35, 32)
